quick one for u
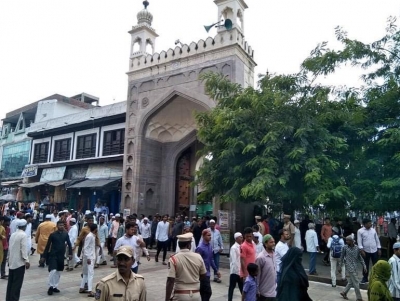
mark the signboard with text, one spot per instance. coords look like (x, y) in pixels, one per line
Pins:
(30, 171)
(52, 174)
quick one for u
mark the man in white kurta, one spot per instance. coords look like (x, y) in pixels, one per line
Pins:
(394, 281)
(28, 232)
(73, 235)
(88, 260)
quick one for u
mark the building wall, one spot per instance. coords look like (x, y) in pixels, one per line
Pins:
(74, 135)
(50, 109)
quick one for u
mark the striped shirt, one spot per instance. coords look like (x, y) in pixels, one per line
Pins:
(394, 281)
(350, 257)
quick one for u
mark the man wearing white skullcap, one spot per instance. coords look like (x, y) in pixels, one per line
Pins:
(18, 261)
(217, 246)
(42, 235)
(234, 263)
(394, 281)
(73, 235)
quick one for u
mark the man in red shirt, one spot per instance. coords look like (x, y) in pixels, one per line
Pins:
(247, 252)
(326, 233)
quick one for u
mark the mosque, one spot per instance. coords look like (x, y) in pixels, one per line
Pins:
(164, 90)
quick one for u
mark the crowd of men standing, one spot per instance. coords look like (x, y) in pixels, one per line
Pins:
(265, 261)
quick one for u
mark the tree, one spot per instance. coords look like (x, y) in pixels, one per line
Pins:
(373, 176)
(283, 141)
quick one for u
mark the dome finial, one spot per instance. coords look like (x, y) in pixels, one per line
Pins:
(146, 3)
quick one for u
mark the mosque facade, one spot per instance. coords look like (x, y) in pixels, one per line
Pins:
(164, 91)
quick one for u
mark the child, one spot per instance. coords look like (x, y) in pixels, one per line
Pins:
(250, 285)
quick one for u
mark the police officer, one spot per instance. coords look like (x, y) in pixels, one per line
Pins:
(185, 270)
(123, 284)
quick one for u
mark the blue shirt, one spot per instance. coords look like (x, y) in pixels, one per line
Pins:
(250, 288)
(207, 254)
(216, 240)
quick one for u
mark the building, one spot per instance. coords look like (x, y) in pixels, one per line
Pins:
(163, 93)
(15, 144)
(76, 159)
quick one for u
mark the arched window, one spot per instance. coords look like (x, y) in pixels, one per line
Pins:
(136, 46)
(149, 47)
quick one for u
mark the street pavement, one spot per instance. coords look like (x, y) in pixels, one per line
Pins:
(35, 284)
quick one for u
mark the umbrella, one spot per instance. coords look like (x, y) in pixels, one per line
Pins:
(7, 197)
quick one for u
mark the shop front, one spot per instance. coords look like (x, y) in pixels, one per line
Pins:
(77, 187)
(101, 184)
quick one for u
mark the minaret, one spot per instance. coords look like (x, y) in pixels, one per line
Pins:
(233, 10)
(143, 36)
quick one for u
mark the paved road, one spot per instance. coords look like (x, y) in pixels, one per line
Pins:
(35, 284)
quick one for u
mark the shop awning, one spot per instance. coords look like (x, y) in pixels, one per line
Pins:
(58, 183)
(53, 183)
(10, 183)
(92, 183)
(31, 185)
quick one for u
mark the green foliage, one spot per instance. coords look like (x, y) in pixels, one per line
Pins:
(275, 142)
(301, 143)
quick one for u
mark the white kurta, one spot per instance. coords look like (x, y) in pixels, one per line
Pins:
(28, 232)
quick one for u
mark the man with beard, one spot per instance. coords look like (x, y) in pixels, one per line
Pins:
(129, 239)
(42, 235)
(266, 278)
(123, 284)
(18, 261)
(206, 252)
(54, 256)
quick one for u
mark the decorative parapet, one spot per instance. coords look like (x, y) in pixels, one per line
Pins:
(223, 39)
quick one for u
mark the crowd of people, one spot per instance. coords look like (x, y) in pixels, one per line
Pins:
(265, 261)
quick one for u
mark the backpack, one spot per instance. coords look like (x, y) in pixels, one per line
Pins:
(336, 248)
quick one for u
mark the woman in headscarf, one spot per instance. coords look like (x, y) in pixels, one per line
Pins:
(377, 289)
(293, 285)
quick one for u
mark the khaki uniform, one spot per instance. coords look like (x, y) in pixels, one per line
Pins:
(114, 288)
(291, 229)
(186, 267)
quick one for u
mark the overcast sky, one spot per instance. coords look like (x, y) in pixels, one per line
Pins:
(74, 46)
